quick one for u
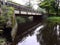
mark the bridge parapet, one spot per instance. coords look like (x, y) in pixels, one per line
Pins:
(20, 9)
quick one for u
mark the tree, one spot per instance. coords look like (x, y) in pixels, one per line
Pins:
(49, 33)
(7, 15)
(51, 6)
(28, 4)
(41, 10)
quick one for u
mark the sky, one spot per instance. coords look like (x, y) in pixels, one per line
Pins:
(23, 2)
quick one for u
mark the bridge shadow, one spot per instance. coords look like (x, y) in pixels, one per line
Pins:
(23, 28)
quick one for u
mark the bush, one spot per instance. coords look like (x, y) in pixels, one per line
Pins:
(7, 13)
(2, 20)
(21, 20)
(53, 20)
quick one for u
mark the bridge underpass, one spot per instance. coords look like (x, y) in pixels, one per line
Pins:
(27, 27)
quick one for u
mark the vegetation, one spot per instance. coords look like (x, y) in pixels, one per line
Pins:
(51, 6)
(7, 19)
(11, 15)
(7, 12)
(29, 5)
(2, 20)
(53, 20)
(22, 19)
(49, 33)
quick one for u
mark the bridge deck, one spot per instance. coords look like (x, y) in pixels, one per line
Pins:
(20, 9)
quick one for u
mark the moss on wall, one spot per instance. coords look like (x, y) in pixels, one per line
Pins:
(7, 14)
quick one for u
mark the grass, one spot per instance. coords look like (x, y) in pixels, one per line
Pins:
(54, 19)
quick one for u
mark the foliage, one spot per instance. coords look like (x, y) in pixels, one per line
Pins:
(7, 13)
(49, 33)
(53, 20)
(20, 19)
(11, 15)
(2, 20)
(50, 6)
(41, 10)
(10, 11)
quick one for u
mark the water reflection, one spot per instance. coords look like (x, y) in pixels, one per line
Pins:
(49, 35)
(31, 40)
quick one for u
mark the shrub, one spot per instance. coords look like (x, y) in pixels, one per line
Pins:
(53, 20)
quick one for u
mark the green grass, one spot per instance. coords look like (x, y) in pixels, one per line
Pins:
(54, 19)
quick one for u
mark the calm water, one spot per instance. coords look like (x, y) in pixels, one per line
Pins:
(31, 39)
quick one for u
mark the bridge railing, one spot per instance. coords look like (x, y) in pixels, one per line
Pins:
(22, 8)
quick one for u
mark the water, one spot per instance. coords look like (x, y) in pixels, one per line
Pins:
(58, 30)
(31, 40)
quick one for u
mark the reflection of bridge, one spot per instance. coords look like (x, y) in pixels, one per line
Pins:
(20, 9)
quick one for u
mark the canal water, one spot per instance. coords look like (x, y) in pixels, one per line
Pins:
(31, 39)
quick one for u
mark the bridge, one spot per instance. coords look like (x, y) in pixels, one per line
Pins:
(22, 10)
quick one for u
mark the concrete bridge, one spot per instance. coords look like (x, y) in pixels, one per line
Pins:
(22, 10)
